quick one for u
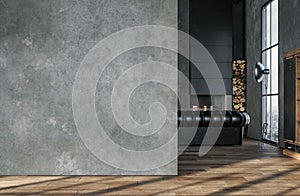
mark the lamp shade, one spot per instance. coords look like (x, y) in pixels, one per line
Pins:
(260, 72)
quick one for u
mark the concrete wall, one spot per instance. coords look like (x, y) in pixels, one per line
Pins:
(42, 44)
(253, 54)
(289, 39)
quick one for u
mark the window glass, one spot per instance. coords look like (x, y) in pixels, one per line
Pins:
(266, 114)
(274, 118)
(270, 109)
(274, 22)
(268, 26)
(266, 60)
(274, 70)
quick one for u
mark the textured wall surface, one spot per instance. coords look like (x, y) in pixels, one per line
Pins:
(253, 54)
(42, 44)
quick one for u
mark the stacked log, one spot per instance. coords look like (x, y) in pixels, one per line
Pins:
(239, 86)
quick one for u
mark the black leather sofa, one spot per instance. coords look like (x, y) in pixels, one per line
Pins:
(227, 125)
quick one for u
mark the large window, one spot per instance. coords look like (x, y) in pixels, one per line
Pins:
(270, 109)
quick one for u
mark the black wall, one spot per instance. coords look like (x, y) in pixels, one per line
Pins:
(211, 23)
(219, 26)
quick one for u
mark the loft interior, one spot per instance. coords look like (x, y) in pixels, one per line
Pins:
(151, 97)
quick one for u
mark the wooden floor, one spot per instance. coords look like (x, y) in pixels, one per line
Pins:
(252, 169)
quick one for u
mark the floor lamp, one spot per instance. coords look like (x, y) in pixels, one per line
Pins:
(261, 74)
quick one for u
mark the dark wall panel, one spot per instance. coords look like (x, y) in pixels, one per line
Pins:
(201, 87)
(211, 20)
(201, 100)
(183, 63)
(238, 30)
(211, 24)
(221, 54)
(212, 14)
(225, 69)
(215, 37)
(211, 5)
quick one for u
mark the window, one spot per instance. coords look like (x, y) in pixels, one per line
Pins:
(270, 90)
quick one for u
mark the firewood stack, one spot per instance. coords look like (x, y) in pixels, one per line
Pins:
(239, 85)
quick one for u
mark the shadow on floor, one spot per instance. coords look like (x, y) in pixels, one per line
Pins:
(190, 165)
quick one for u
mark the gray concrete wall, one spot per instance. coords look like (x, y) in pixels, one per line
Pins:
(42, 44)
(253, 54)
(289, 39)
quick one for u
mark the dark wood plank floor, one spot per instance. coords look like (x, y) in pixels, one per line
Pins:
(252, 169)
